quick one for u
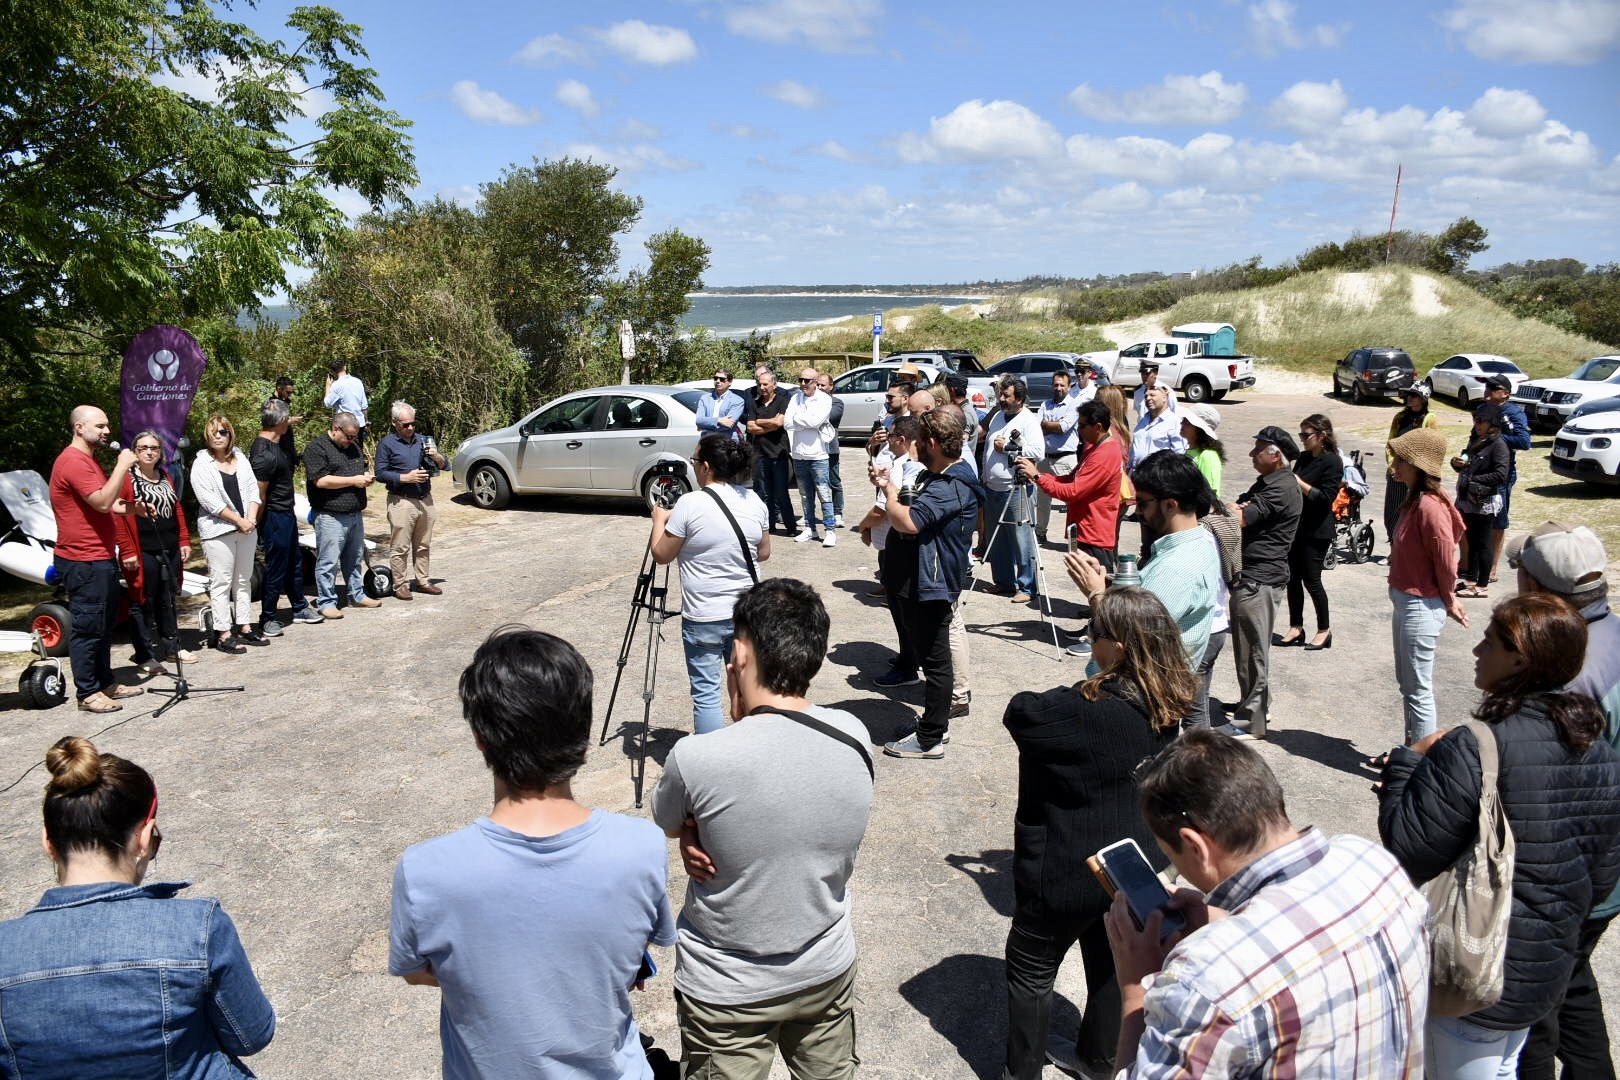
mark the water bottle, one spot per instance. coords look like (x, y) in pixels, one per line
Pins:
(1126, 574)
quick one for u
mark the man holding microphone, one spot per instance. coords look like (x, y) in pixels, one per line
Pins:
(84, 500)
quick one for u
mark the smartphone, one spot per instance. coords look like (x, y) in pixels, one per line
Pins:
(1122, 867)
(1073, 532)
(648, 969)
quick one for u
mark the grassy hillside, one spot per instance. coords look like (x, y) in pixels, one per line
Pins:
(1310, 321)
(991, 338)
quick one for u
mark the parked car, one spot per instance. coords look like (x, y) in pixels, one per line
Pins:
(1587, 447)
(1549, 402)
(1199, 361)
(1036, 369)
(959, 360)
(1463, 376)
(1382, 371)
(862, 391)
(603, 441)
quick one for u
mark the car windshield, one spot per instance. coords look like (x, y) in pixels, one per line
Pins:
(1597, 370)
(1500, 367)
(1601, 406)
(1013, 364)
(689, 398)
(1400, 360)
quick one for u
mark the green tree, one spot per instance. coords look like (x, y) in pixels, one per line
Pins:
(1461, 241)
(407, 299)
(552, 229)
(654, 300)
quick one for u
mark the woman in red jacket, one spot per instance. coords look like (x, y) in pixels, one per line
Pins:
(153, 550)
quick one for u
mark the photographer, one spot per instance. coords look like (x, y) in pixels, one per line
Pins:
(718, 533)
(1014, 432)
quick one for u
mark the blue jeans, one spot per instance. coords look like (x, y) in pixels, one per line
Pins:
(283, 563)
(836, 479)
(814, 487)
(1416, 627)
(771, 485)
(1455, 1049)
(338, 537)
(1012, 557)
(92, 591)
(708, 648)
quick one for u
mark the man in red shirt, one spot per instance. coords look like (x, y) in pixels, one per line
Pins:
(84, 500)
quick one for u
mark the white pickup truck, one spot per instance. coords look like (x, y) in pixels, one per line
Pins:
(1198, 360)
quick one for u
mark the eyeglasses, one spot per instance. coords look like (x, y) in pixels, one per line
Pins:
(147, 449)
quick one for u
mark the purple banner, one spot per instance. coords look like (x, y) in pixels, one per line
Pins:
(162, 368)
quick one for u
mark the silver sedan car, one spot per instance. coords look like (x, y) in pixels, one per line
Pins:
(612, 440)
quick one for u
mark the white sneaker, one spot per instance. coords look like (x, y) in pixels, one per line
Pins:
(831, 540)
(909, 747)
(838, 520)
(804, 534)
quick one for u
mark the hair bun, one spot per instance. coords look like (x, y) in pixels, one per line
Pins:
(74, 764)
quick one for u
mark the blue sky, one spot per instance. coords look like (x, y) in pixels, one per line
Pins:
(812, 141)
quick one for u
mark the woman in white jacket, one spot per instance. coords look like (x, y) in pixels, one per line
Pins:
(228, 501)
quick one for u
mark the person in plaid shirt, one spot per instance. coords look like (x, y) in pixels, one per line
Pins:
(1308, 956)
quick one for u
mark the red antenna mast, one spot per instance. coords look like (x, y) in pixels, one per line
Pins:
(1389, 240)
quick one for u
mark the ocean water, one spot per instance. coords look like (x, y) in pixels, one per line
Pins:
(737, 316)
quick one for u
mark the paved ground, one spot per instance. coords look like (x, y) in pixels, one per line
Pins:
(292, 800)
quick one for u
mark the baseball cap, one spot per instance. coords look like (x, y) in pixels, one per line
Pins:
(1565, 559)
(1499, 382)
(1279, 438)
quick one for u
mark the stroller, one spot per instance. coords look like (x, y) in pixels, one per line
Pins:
(1352, 534)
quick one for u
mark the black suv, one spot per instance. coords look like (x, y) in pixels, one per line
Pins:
(1377, 372)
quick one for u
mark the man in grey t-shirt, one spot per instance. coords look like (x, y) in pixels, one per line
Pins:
(770, 812)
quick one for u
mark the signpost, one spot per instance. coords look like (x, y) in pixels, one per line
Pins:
(877, 333)
(627, 349)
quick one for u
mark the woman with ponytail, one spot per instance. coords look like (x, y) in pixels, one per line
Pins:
(108, 976)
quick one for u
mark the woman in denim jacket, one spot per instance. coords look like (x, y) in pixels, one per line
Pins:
(109, 978)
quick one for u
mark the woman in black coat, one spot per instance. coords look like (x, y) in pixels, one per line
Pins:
(1078, 747)
(1319, 473)
(1559, 786)
(1482, 476)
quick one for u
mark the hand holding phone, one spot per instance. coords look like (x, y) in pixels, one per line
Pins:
(1122, 868)
(1073, 532)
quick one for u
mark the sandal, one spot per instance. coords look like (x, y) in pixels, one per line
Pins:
(1376, 763)
(226, 643)
(1474, 593)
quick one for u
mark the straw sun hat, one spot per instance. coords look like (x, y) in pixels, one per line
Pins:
(1424, 448)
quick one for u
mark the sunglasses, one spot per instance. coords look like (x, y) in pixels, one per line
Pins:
(807, 381)
(224, 431)
(407, 423)
(722, 378)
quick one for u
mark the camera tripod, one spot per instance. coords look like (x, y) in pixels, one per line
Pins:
(1019, 512)
(182, 690)
(653, 599)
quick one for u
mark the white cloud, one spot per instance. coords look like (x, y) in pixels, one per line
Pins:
(1544, 32)
(577, 96)
(465, 195)
(636, 159)
(980, 131)
(793, 93)
(1272, 29)
(827, 25)
(489, 107)
(746, 132)
(1310, 106)
(832, 148)
(1506, 112)
(643, 43)
(1179, 99)
(548, 50)
(312, 101)
(638, 131)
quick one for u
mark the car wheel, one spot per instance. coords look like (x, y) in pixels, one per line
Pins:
(1334, 392)
(378, 582)
(489, 488)
(51, 622)
(1429, 385)
(1358, 396)
(1195, 390)
(42, 686)
(674, 487)
(1462, 397)
(1361, 543)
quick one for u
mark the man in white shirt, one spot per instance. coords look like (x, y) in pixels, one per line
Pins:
(1085, 385)
(1158, 429)
(1013, 429)
(1150, 380)
(1060, 420)
(806, 421)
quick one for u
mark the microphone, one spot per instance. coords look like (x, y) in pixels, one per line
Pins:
(113, 444)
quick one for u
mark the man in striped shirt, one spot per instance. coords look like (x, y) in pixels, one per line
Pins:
(1304, 955)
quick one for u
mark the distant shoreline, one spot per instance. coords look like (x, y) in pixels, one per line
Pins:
(886, 295)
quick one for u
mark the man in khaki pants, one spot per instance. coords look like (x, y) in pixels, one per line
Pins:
(403, 462)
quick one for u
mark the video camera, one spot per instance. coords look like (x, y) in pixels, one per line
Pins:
(664, 489)
(1015, 447)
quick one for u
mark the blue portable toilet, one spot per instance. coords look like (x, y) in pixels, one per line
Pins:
(1220, 339)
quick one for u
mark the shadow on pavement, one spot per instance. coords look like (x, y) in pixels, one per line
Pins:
(860, 589)
(964, 998)
(991, 871)
(883, 718)
(1574, 489)
(659, 741)
(868, 658)
(1340, 754)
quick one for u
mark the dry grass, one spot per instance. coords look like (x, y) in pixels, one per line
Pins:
(1029, 327)
(1308, 322)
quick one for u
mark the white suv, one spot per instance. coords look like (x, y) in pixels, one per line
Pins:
(1588, 446)
(1549, 402)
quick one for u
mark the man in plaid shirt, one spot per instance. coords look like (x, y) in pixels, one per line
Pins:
(1308, 957)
